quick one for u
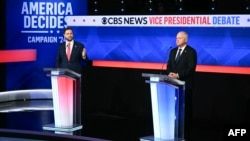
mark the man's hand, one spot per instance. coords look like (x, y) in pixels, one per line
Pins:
(173, 75)
(84, 53)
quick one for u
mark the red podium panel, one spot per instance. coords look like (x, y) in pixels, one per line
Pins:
(66, 92)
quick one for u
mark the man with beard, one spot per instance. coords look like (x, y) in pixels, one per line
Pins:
(71, 54)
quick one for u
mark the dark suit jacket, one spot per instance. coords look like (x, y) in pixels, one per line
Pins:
(75, 63)
(185, 67)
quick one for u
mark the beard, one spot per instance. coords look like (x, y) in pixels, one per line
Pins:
(69, 38)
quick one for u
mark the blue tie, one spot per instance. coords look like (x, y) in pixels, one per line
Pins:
(178, 55)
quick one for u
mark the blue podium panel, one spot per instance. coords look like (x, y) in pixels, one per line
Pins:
(168, 107)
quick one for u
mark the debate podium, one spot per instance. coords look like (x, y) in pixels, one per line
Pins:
(66, 94)
(168, 106)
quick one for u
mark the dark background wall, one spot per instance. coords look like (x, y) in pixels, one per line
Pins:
(113, 7)
(2, 46)
(219, 98)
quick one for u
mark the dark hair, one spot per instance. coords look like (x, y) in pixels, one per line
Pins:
(67, 28)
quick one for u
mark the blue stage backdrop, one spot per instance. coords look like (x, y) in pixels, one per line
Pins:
(215, 46)
(38, 24)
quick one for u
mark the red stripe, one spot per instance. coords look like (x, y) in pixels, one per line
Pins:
(160, 66)
(65, 97)
(17, 55)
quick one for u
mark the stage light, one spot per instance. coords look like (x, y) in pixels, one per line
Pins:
(122, 6)
(150, 6)
(180, 5)
(213, 5)
(247, 8)
(96, 6)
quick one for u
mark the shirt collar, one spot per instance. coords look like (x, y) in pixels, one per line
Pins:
(71, 42)
(182, 47)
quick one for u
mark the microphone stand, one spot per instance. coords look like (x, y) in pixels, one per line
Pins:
(165, 59)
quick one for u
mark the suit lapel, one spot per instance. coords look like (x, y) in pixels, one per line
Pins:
(184, 53)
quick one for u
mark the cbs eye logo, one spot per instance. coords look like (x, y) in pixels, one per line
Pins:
(104, 20)
(111, 20)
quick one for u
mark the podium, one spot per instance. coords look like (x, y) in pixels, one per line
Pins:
(66, 94)
(168, 106)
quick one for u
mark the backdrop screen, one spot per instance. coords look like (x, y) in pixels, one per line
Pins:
(220, 40)
(215, 46)
(38, 25)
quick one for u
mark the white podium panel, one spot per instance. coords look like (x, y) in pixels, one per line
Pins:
(168, 107)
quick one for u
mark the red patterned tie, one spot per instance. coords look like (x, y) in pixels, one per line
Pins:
(68, 51)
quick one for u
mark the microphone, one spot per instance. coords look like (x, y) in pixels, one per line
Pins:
(165, 59)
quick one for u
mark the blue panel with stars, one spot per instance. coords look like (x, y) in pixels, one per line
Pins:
(214, 45)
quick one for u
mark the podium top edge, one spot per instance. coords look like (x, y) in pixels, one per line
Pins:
(153, 75)
(163, 77)
(63, 71)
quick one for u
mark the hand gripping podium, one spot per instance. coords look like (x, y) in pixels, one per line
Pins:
(66, 93)
(167, 99)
